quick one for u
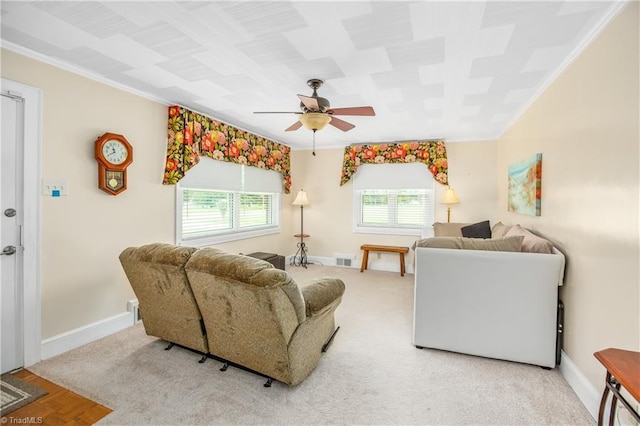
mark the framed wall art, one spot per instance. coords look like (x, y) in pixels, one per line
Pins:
(525, 185)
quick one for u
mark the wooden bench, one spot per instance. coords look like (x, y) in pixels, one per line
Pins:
(389, 249)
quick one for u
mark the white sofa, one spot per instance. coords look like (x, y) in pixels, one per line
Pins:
(494, 304)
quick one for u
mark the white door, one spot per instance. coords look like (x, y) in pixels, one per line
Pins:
(10, 232)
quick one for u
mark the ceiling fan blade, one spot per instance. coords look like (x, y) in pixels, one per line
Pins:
(341, 124)
(277, 112)
(294, 126)
(309, 102)
(363, 110)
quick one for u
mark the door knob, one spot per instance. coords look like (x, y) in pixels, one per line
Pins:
(8, 251)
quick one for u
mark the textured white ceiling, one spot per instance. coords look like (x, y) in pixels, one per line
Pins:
(430, 69)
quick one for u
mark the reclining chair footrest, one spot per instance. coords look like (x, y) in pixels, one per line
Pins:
(227, 364)
(326, 345)
(204, 355)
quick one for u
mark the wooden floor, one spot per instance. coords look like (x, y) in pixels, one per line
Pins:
(59, 407)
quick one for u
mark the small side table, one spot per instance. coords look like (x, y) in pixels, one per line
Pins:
(300, 258)
(623, 369)
(275, 259)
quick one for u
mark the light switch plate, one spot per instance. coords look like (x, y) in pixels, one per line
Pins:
(55, 188)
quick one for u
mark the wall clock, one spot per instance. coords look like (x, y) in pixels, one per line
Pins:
(114, 154)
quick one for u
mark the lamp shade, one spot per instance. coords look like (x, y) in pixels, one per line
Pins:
(314, 120)
(301, 199)
(449, 197)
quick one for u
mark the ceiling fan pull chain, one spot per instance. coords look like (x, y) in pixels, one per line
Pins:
(314, 142)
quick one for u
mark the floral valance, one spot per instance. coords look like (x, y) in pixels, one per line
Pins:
(191, 135)
(433, 154)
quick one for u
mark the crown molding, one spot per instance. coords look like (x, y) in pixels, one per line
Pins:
(79, 71)
(82, 72)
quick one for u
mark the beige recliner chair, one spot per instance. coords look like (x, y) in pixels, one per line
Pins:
(169, 310)
(256, 316)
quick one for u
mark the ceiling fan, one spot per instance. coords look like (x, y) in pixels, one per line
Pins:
(317, 112)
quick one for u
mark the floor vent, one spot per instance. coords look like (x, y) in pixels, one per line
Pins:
(344, 259)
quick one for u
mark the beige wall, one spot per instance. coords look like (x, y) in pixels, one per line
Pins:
(82, 234)
(277, 243)
(329, 218)
(586, 127)
(472, 171)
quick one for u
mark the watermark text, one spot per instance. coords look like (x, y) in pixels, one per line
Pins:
(31, 420)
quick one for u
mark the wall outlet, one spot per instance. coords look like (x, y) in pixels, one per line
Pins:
(132, 306)
(624, 417)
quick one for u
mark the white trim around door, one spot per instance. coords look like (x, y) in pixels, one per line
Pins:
(31, 168)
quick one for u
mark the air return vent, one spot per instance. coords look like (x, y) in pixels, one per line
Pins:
(343, 259)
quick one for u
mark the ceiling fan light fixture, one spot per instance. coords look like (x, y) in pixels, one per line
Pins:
(314, 120)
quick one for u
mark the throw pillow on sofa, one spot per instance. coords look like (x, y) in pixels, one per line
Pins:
(499, 230)
(453, 229)
(531, 243)
(477, 230)
(512, 244)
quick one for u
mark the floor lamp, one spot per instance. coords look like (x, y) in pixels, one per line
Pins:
(300, 258)
(449, 197)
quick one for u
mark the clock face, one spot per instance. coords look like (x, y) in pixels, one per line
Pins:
(115, 152)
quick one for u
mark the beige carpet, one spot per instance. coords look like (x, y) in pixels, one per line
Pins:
(372, 374)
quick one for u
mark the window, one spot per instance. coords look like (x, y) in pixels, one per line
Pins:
(212, 206)
(209, 213)
(393, 200)
(403, 208)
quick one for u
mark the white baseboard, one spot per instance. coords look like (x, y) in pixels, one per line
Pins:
(81, 336)
(327, 261)
(373, 264)
(586, 392)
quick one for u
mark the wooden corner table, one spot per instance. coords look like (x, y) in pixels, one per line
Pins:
(623, 369)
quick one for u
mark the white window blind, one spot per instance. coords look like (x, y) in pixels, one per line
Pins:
(393, 198)
(219, 201)
(215, 174)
